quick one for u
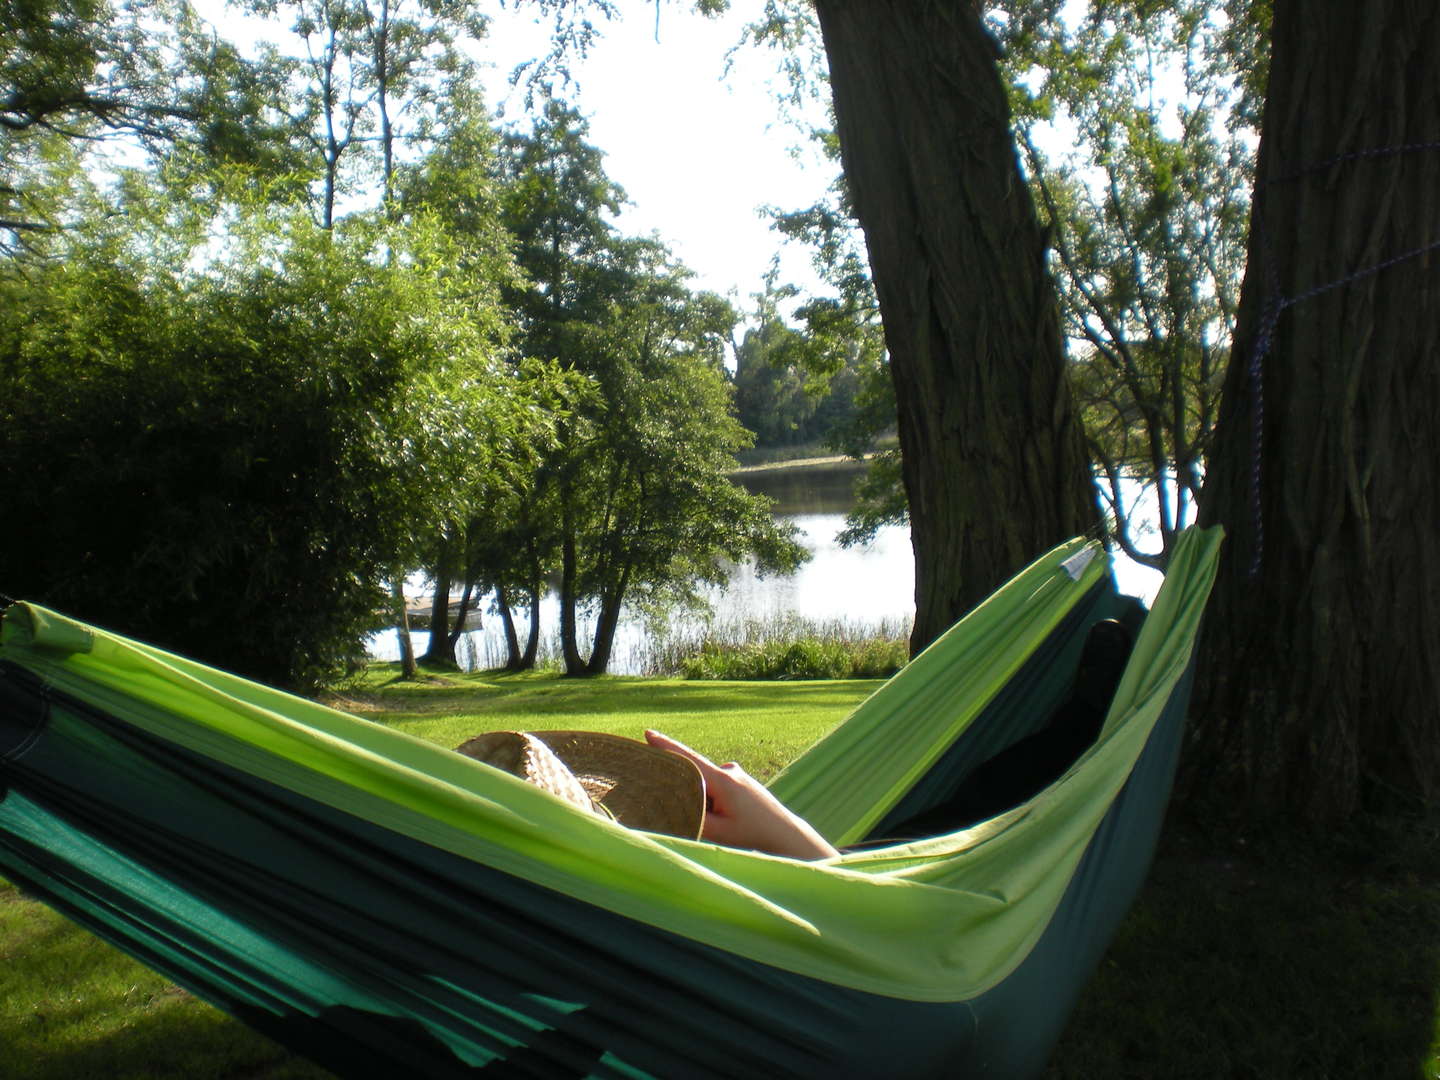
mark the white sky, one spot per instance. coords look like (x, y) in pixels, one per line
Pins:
(697, 151)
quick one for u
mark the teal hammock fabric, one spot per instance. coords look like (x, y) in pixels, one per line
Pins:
(386, 906)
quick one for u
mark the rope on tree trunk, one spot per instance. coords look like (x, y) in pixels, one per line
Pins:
(1276, 304)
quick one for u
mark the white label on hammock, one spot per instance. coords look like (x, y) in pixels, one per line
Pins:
(1075, 565)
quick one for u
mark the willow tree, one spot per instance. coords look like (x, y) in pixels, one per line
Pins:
(1321, 661)
(994, 460)
(1149, 207)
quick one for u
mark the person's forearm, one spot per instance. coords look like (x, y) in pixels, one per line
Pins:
(741, 812)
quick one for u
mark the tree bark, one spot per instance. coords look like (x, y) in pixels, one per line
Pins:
(408, 670)
(462, 615)
(606, 624)
(507, 623)
(1320, 665)
(441, 649)
(532, 642)
(569, 599)
(995, 467)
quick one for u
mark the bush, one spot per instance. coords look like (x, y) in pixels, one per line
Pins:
(879, 658)
(805, 658)
(229, 462)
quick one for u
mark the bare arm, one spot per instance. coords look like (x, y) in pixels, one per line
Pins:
(742, 813)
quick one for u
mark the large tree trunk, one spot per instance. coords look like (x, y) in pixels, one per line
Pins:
(532, 642)
(995, 467)
(408, 669)
(1320, 677)
(462, 615)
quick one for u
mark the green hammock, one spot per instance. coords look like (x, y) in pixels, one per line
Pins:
(385, 905)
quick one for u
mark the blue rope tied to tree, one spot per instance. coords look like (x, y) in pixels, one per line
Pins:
(1276, 304)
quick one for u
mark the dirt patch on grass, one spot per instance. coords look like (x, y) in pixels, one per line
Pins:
(350, 703)
(411, 695)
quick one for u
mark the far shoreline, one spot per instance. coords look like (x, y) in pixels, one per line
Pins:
(831, 461)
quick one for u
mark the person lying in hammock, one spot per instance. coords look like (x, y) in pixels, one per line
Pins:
(647, 786)
(1025, 768)
(659, 785)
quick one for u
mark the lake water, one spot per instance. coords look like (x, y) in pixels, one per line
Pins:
(861, 587)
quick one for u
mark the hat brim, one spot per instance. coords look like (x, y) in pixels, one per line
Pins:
(642, 786)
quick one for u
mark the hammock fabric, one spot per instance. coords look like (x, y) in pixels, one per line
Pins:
(384, 905)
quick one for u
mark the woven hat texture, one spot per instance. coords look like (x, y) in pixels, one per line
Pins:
(639, 785)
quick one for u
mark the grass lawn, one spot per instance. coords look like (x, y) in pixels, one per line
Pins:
(762, 725)
(1248, 956)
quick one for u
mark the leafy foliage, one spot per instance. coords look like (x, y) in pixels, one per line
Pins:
(1148, 215)
(842, 350)
(634, 505)
(805, 658)
(86, 67)
(228, 460)
(360, 89)
(137, 75)
(841, 346)
(798, 385)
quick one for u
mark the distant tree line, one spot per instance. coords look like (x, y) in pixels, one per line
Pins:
(787, 393)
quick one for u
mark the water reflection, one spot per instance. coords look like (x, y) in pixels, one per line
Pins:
(868, 584)
(826, 488)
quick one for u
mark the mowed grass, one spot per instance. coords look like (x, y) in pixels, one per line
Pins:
(1249, 955)
(762, 725)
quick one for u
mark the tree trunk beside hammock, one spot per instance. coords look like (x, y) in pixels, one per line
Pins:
(1320, 678)
(995, 467)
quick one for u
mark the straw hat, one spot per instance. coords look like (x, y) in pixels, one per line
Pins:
(637, 784)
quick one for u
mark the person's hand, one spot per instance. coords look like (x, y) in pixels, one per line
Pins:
(740, 811)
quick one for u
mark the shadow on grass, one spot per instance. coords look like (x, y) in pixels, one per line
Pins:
(1244, 958)
(74, 1008)
(1261, 958)
(173, 1044)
